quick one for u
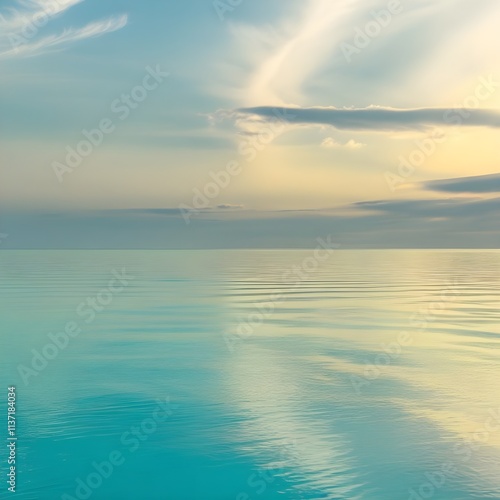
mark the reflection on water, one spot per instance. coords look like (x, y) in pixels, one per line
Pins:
(374, 376)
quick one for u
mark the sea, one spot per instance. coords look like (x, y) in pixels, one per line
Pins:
(251, 374)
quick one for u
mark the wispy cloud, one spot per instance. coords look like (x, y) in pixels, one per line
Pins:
(278, 64)
(292, 52)
(37, 12)
(18, 40)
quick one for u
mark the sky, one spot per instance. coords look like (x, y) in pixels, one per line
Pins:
(249, 124)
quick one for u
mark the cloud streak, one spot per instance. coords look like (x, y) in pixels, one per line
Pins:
(474, 184)
(378, 118)
(454, 208)
(37, 12)
(21, 28)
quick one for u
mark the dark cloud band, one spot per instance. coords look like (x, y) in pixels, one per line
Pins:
(378, 118)
(475, 184)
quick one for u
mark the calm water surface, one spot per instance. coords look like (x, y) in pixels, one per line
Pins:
(373, 376)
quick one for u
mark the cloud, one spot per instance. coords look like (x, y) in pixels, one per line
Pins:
(453, 208)
(474, 184)
(410, 209)
(293, 51)
(228, 206)
(32, 12)
(21, 28)
(167, 212)
(142, 211)
(456, 223)
(330, 142)
(377, 118)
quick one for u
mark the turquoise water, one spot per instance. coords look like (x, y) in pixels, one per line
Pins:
(232, 375)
